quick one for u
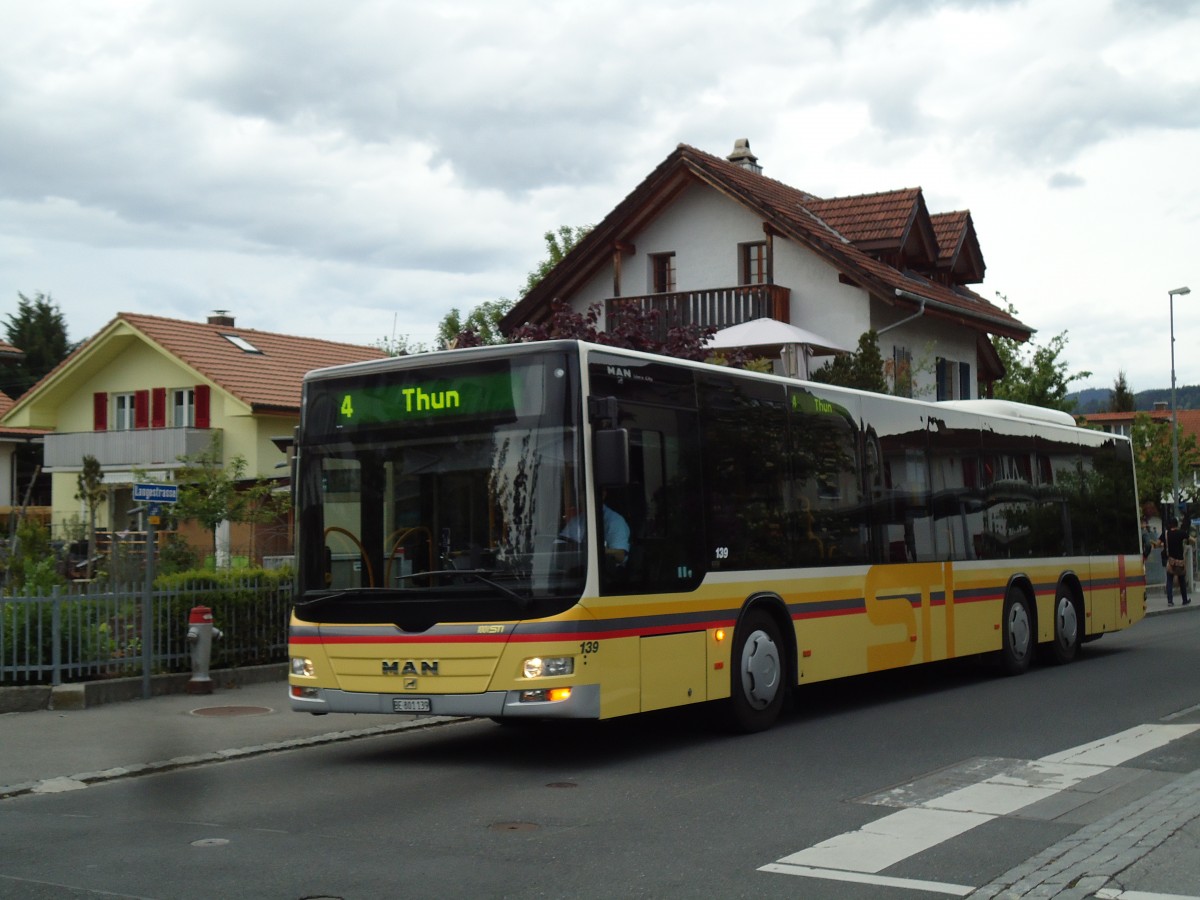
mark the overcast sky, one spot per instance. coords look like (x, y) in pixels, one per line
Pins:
(354, 169)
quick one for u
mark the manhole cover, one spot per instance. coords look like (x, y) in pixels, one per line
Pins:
(513, 826)
(232, 711)
(210, 842)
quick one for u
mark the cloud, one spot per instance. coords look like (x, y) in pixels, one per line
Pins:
(1064, 180)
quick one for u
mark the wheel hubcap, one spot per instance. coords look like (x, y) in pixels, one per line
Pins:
(1068, 622)
(760, 670)
(1018, 630)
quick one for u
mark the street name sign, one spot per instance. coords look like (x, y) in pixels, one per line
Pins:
(155, 492)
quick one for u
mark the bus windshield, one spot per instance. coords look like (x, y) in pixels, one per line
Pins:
(442, 497)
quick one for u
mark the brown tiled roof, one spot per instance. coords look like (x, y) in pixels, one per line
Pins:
(774, 200)
(794, 214)
(869, 218)
(951, 229)
(268, 380)
(1189, 419)
(7, 350)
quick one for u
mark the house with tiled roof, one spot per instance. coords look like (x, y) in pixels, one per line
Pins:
(713, 241)
(145, 391)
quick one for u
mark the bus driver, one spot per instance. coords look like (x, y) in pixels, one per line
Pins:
(616, 532)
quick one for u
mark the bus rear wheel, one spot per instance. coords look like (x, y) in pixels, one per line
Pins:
(759, 669)
(1067, 633)
(1017, 645)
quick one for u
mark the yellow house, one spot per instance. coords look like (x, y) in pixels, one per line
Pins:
(146, 390)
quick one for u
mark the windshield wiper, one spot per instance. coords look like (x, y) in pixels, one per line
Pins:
(353, 593)
(483, 576)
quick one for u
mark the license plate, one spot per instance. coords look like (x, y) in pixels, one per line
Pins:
(410, 704)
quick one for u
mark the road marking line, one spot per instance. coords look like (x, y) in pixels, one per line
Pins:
(1124, 746)
(868, 850)
(956, 890)
(885, 842)
(1116, 894)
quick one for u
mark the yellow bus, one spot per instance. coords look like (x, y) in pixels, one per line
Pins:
(567, 530)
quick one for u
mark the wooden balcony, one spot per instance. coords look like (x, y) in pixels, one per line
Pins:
(716, 307)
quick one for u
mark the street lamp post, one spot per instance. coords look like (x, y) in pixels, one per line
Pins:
(1171, 295)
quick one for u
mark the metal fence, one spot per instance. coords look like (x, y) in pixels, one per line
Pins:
(76, 636)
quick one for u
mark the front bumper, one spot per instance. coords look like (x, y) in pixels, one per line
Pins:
(584, 703)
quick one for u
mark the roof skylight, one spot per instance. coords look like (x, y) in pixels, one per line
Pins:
(241, 343)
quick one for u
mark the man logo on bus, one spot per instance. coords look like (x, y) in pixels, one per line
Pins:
(393, 667)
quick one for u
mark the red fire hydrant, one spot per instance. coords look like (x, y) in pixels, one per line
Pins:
(201, 633)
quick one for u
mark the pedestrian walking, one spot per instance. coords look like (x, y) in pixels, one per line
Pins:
(1173, 544)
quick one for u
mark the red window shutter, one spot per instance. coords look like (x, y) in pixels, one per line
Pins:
(141, 409)
(100, 411)
(158, 408)
(201, 398)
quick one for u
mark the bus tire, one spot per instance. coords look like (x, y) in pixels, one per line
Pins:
(759, 670)
(1067, 627)
(1017, 646)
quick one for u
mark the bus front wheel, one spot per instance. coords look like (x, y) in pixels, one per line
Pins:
(1065, 645)
(1017, 628)
(759, 669)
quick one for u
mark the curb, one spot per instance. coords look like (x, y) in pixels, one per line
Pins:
(83, 780)
(87, 694)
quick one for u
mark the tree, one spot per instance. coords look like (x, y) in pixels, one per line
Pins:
(91, 492)
(1033, 374)
(1122, 399)
(482, 324)
(37, 329)
(633, 329)
(862, 369)
(558, 244)
(1154, 462)
(211, 492)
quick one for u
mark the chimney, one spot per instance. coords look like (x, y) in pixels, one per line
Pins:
(221, 317)
(1160, 405)
(741, 156)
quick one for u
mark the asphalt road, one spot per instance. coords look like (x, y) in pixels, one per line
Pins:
(662, 806)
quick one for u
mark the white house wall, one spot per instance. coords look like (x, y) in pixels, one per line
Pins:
(926, 339)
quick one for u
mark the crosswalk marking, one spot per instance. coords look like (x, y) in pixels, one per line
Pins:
(860, 855)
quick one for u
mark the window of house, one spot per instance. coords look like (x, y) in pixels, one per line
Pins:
(953, 380)
(662, 272)
(183, 405)
(123, 412)
(241, 343)
(753, 266)
(902, 374)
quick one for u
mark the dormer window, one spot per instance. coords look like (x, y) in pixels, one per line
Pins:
(241, 343)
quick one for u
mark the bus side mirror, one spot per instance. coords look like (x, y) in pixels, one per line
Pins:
(610, 448)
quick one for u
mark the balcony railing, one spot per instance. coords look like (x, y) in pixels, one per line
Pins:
(142, 447)
(716, 307)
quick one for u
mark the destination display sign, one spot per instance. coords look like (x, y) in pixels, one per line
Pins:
(408, 398)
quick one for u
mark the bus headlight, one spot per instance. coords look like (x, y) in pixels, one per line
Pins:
(546, 666)
(303, 666)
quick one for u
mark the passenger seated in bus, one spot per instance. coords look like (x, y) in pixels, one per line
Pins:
(616, 532)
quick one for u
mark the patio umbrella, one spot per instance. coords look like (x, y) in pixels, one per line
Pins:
(782, 338)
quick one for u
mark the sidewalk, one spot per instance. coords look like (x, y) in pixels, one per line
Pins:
(57, 750)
